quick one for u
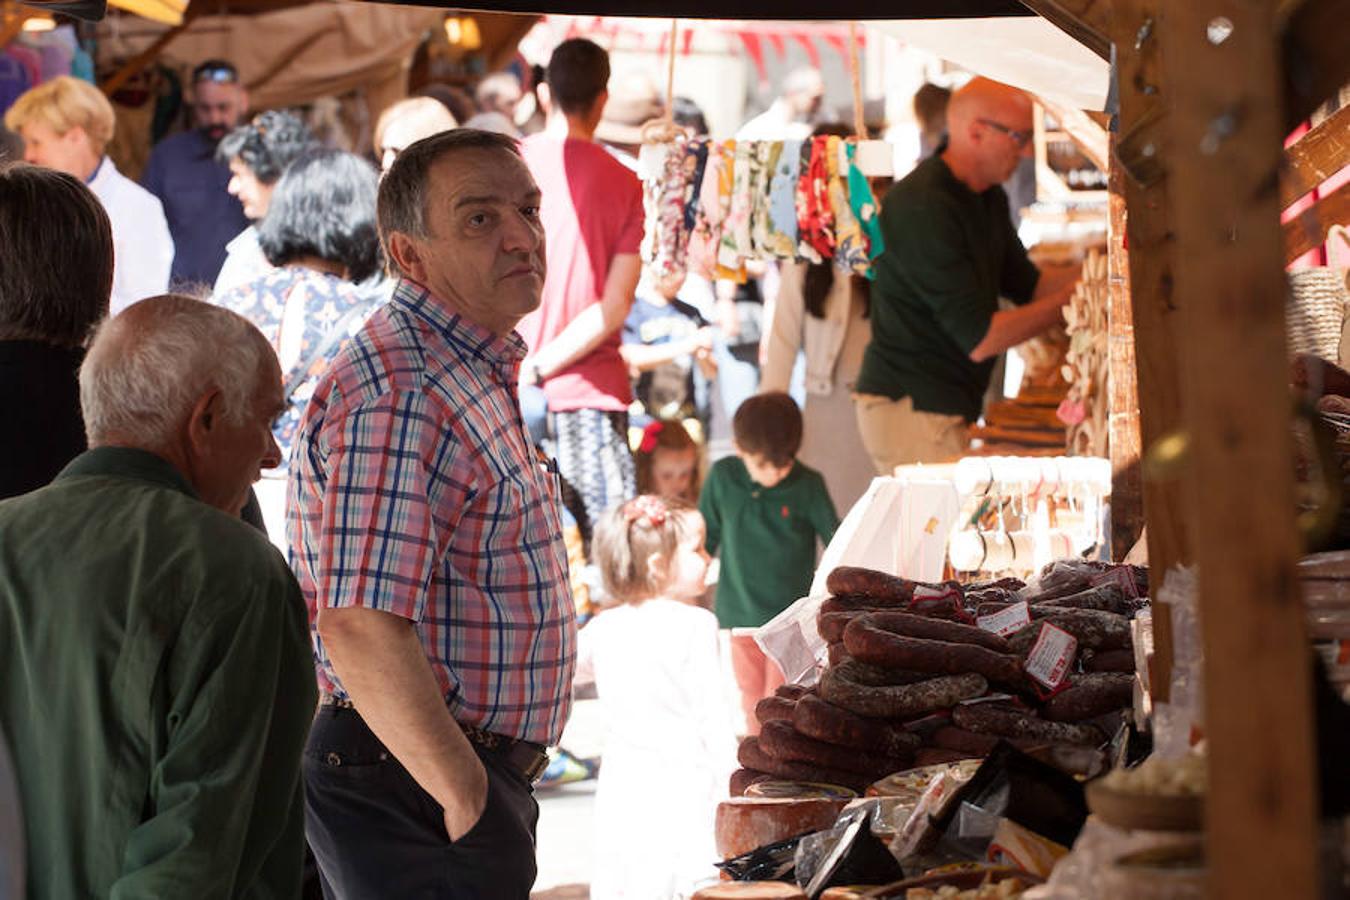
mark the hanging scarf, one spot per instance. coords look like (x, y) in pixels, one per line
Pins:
(783, 199)
(815, 217)
(850, 252)
(736, 242)
(865, 207)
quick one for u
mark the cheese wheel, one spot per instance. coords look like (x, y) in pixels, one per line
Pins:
(750, 890)
(748, 823)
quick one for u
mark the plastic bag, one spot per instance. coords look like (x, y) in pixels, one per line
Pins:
(1178, 721)
(847, 854)
(772, 862)
(1010, 784)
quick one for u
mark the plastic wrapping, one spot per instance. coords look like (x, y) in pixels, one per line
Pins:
(1177, 721)
(772, 862)
(847, 854)
(1090, 869)
(1032, 793)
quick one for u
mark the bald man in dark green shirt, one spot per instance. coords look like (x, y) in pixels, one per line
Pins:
(156, 679)
(951, 252)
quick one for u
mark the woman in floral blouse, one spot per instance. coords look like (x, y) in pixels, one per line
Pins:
(320, 232)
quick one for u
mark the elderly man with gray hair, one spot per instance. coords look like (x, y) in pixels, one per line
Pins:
(155, 679)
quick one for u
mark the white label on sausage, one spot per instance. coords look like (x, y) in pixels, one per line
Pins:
(1051, 655)
(926, 598)
(987, 698)
(1006, 621)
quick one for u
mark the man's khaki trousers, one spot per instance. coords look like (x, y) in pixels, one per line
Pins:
(896, 434)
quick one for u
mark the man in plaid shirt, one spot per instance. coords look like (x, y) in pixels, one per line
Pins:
(425, 535)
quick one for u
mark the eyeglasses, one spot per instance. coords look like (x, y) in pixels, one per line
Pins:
(219, 73)
(1020, 138)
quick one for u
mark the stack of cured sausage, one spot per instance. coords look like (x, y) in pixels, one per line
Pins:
(928, 673)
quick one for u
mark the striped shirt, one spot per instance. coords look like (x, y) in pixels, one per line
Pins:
(414, 490)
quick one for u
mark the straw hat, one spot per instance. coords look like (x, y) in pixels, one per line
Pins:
(633, 101)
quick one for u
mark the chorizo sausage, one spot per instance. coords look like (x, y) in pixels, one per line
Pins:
(831, 625)
(878, 676)
(751, 756)
(771, 709)
(949, 737)
(743, 778)
(822, 720)
(1109, 660)
(990, 718)
(899, 701)
(1094, 629)
(871, 644)
(856, 581)
(782, 741)
(1090, 695)
(935, 629)
(1107, 597)
(937, 756)
(837, 654)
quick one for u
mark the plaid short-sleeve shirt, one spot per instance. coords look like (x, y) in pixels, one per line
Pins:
(414, 490)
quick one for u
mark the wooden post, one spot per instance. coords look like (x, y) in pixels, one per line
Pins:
(1158, 346)
(1222, 158)
(1127, 490)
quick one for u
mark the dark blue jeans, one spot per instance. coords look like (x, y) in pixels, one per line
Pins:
(377, 834)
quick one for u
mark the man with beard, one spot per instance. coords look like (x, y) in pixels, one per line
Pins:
(185, 175)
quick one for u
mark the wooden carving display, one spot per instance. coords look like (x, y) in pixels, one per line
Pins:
(1086, 368)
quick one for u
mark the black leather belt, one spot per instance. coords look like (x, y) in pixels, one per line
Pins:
(526, 757)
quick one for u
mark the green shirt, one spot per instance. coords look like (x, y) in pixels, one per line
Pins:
(766, 537)
(156, 688)
(950, 254)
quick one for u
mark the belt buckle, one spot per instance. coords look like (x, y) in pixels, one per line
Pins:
(536, 769)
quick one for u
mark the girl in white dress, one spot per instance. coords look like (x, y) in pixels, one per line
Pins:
(669, 746)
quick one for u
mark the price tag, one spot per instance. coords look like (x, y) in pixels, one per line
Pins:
(937, 601)
(1006, 621)
(1051, 656)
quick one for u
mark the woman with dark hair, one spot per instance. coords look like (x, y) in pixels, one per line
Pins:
(56, 277)
(320, 233)
(822, 312)
(257, 154)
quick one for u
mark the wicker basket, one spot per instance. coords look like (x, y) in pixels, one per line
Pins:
(1315, 314)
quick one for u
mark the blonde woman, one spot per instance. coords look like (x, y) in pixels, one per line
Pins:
(66, 124)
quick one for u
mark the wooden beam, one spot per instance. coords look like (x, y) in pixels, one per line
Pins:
(1087, 135)
(1127, 489)
(1314, 57)
(1086, 21)
(517, 28)
(133, 66)
(1155, 312)
(1317, 156)
(1309, 229)
(1222, 159)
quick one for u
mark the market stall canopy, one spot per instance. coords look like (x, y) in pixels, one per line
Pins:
(1029, 53)
(295, 55)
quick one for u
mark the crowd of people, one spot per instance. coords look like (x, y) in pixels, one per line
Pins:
(496, 454)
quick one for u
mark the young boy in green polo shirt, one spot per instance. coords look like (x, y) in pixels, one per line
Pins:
(764, 511)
